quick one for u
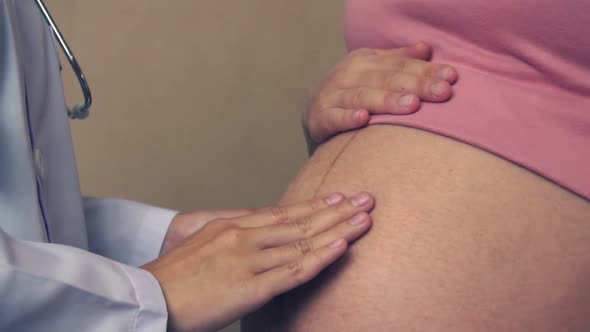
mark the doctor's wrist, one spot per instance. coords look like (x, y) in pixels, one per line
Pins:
(173, 236)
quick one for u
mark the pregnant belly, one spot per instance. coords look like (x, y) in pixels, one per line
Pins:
(462, 241)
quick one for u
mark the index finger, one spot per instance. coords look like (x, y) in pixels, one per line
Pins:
(419, 50)
(387, 63)
(414, 59)
(284, 214)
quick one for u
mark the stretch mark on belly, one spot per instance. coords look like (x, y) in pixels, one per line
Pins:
(333, 163)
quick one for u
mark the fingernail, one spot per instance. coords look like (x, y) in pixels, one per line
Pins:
(439, 88)
(357, 115)
(406, 100)
(334, 198)
(445, 73)
(337, 244)
(359, 219)
(361, 199)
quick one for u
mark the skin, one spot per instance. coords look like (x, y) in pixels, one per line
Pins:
(233, 266)
(370, 81)
(226, 263)
(365, 82)
(462, 241)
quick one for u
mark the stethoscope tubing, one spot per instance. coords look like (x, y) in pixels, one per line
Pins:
(79, 111)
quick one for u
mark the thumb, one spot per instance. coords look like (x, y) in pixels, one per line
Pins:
(337, 120)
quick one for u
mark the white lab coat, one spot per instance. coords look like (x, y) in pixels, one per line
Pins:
(66, 262)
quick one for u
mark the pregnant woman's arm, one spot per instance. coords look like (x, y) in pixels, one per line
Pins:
(462, 241)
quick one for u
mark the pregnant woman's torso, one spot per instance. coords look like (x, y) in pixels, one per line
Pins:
(463, 240)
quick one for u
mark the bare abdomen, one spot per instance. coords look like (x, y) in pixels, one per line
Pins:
(462, 241)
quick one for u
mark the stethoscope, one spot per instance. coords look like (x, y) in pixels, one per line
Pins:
(79, 111)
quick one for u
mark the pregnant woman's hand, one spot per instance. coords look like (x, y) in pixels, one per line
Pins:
(370, 81)
(232, 267)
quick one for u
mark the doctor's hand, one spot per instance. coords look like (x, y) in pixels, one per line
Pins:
(185, 225)
(233, 266)
(371, 81)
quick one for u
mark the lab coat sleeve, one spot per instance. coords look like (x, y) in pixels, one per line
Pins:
(128, 232)
(49, 287)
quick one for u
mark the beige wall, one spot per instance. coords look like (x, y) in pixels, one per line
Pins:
(197, 103)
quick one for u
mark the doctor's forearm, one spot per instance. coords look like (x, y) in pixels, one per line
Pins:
(135, 234)
(128, 232)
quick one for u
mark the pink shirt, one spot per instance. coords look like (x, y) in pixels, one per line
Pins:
(524, 66)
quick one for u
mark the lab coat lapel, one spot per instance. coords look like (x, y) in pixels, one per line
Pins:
(20, 215)
(55, 192)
